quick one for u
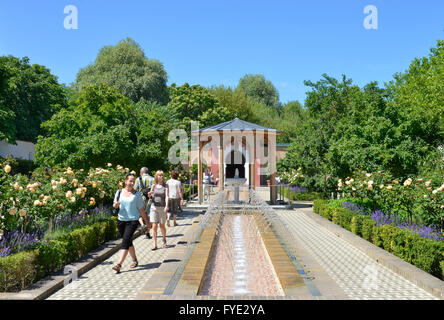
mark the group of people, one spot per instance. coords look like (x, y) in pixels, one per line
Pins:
(147, 203)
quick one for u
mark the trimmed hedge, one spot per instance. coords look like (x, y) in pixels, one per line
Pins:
(425, 254)
(20, 270)
(300, 196)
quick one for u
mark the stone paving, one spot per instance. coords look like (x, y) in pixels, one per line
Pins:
(102, 283)
(357, 274)
(338, 269)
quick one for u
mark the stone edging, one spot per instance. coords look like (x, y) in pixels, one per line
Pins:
(55, 281)
(419, 277)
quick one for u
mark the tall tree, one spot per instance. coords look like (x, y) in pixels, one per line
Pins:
(126, 67)
(101, 125)
(29, 95)
(259, 89)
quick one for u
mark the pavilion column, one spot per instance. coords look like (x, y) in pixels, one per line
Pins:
(199, 175)
(221, 167)
(272, 158)
(253, 165)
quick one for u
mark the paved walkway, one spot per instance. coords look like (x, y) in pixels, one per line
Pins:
(336, 268)
(102, 283)
(358, 275)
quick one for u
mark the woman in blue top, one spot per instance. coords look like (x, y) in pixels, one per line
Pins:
(131, 207)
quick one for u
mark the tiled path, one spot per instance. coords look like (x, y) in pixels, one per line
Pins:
(357, 274)
(102, 283)
(338, 269)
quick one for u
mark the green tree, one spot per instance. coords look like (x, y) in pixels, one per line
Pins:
(235, 101)
(29, 95)
(419, 95)
(99, 126)
(259, 89)
(126, 67)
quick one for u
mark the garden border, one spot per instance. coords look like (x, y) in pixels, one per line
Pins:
(408, 271)
(53, 282)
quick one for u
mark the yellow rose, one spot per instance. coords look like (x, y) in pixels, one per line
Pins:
(69, 194)
(381, 186)
(110, 164)
(102, 194)
(22, 212)
(12, 211)
(37, 202)
(79, 191)
(54, 188)
(7, 168)
(389, 187)
(92, 201)
(428, 183)
(32, 190)
(73, 199)
(61, 206)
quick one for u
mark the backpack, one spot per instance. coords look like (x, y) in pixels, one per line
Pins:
(145, 190)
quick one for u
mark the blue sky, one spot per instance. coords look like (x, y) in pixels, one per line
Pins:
(217, 42)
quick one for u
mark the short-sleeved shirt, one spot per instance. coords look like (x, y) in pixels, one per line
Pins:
(147, 181)
(129, 206)
(174, 187)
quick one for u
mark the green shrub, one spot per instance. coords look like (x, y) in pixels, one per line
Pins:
(17, 271)
(356, 224)
(20, 270)
(367, 228)
(425, 254)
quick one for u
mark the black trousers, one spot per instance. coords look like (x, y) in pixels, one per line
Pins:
(127, 230)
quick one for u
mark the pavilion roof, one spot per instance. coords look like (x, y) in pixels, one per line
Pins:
(236, 125)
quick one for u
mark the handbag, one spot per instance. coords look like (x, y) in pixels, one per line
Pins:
(116, 210)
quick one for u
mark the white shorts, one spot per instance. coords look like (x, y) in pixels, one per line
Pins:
(157, 215)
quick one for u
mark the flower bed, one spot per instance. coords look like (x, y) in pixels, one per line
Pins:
(18, 271)
(406, 241)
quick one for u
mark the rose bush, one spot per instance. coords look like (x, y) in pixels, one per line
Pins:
(30, 202)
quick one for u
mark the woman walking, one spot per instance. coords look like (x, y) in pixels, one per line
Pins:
(159, 208)
(175, 196)
(130, 204)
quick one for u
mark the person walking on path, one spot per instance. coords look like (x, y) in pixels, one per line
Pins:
(175, 196)
(159, 208)
(130, 204)
(206, 185)
(143, 186)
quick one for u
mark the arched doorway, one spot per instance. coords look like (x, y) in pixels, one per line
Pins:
(231, 165)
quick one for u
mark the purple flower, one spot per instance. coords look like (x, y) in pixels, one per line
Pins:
(429, 232)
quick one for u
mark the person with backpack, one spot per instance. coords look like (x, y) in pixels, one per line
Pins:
(175, 196)
(129, 206)
(159, 208)
(143, 186)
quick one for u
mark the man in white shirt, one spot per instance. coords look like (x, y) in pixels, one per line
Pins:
(175, 196)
